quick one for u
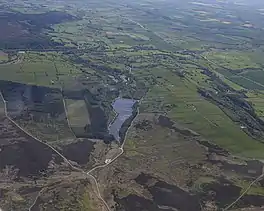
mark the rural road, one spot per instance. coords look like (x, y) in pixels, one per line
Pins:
(65, 159)
(104, 165)
(112, 160)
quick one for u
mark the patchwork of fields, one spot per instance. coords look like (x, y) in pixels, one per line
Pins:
(196, 69)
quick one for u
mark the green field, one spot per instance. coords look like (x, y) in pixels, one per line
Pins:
(257, 76)
(127, 49)
(197, 66)
(233, 60)
(246, 82)
(77, 113)
(45, 69)
(257, 100)
(3, 57)
(181, 102)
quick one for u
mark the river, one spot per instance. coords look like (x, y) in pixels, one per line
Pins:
(124, 109)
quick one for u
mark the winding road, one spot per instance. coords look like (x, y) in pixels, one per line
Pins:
(112, 160)
(65, 159)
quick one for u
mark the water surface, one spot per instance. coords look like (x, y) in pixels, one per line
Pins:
(124, 109)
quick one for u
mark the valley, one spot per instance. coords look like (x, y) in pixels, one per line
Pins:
(131, 105)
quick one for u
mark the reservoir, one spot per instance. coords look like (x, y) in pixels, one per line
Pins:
(124, 109)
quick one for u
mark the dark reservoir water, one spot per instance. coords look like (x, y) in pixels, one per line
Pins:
(124, 109)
